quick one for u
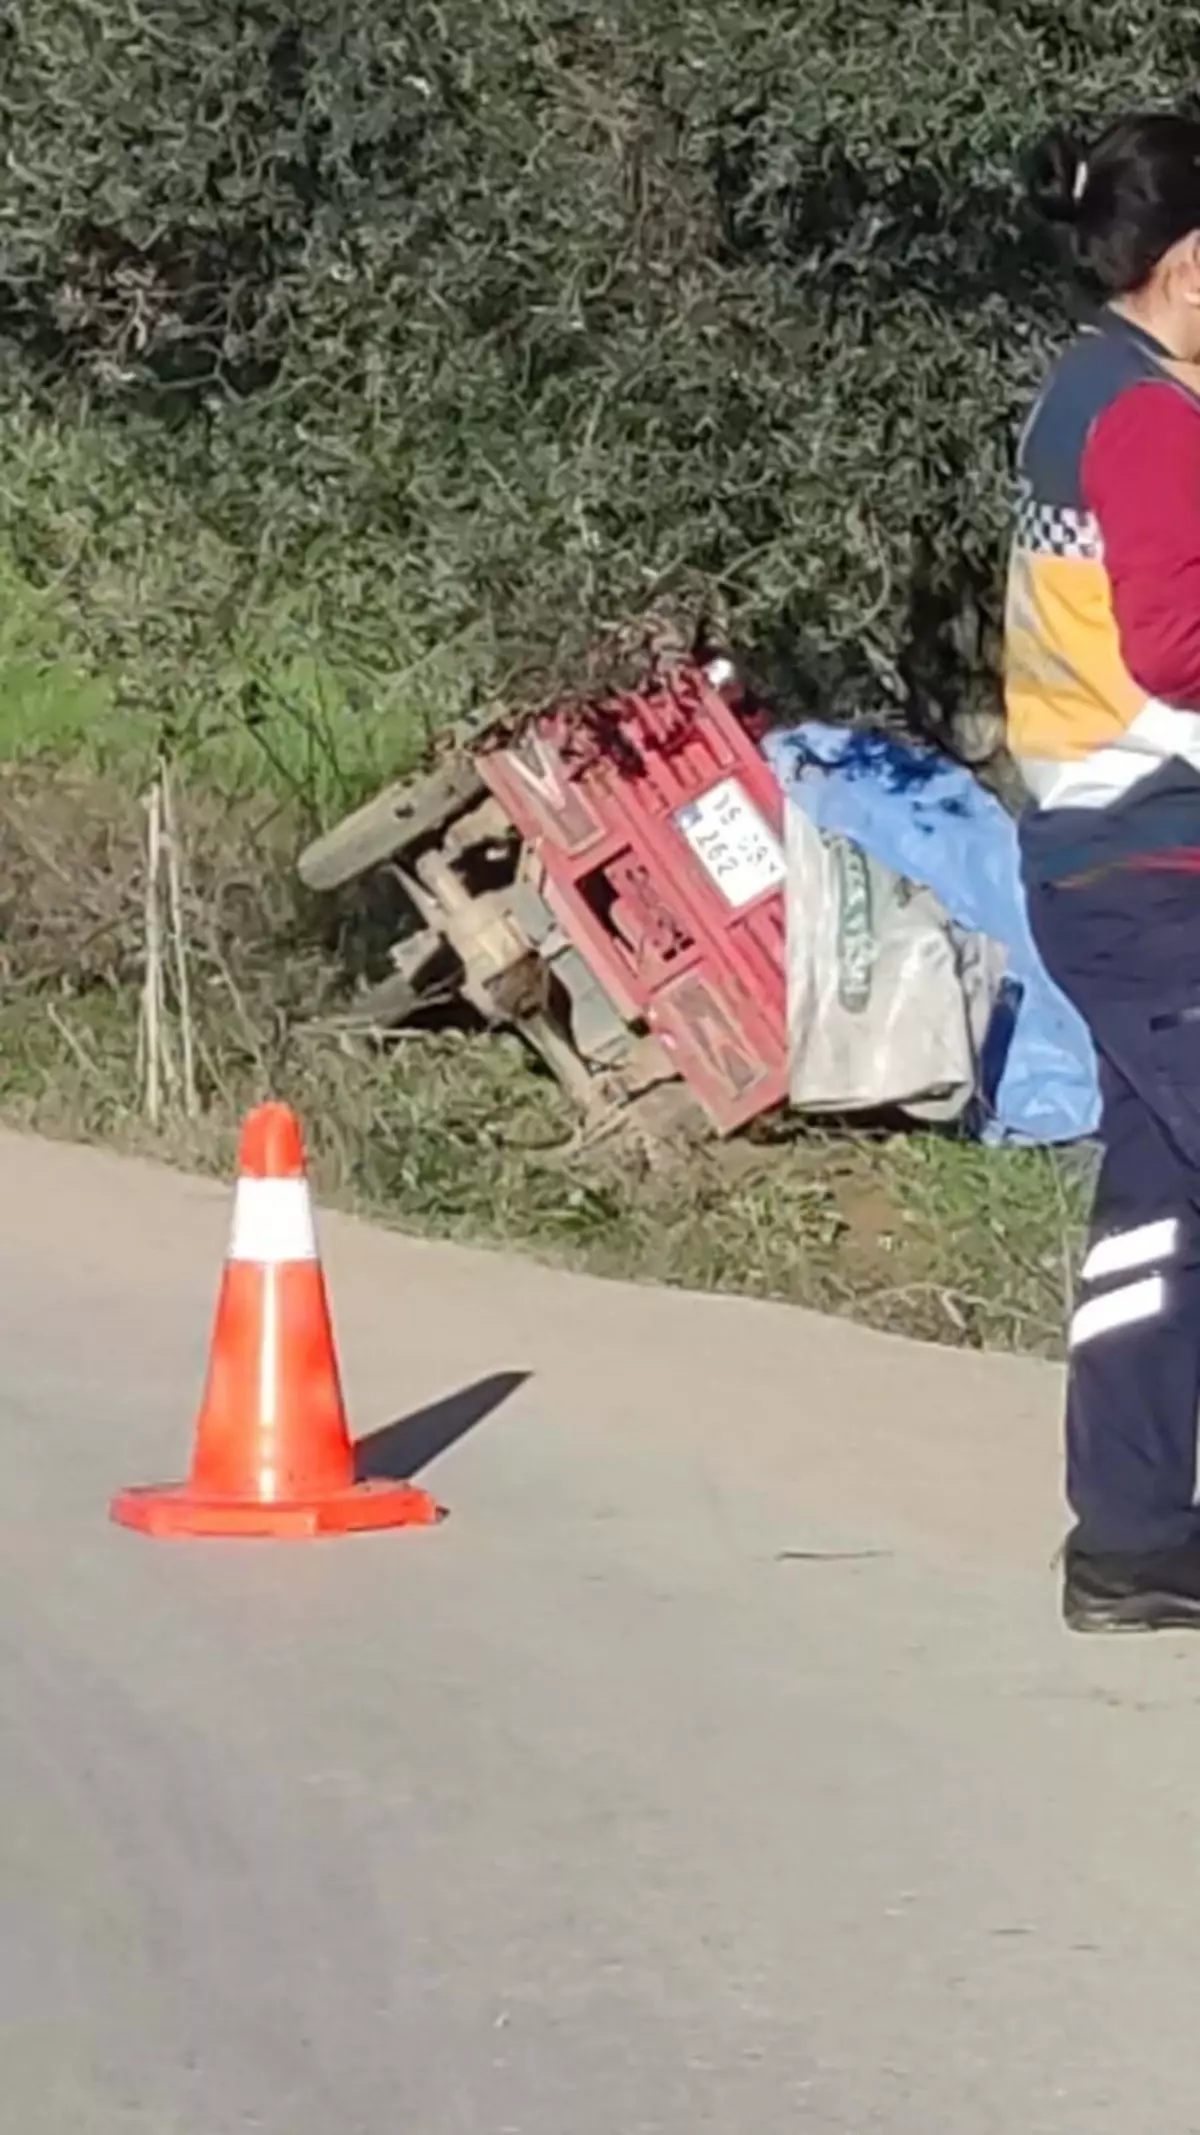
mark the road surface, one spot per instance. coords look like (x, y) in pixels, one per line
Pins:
(718, 1765)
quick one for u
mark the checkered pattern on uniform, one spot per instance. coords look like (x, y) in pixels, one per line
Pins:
(1057, 530)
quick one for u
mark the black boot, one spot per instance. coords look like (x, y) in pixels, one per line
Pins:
(1160, 1592)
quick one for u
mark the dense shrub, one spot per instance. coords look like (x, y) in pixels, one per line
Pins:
(490, 325)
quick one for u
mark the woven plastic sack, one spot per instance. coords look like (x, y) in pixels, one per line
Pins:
(888, 1003)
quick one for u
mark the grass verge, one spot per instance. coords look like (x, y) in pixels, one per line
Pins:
(461, 1138)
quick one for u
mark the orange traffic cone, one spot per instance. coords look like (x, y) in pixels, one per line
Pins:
(272, 1453)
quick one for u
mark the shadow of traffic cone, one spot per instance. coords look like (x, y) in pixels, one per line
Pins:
(272, 1453)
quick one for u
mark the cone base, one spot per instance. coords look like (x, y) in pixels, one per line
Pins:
(172, 1511)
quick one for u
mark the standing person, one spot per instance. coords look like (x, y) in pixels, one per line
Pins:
(1103, 690)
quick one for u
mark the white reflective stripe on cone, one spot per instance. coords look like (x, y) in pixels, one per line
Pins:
(1140, 1301)
(272, 1221)
(1127, 1251)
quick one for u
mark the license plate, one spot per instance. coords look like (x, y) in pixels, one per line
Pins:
(734, 844)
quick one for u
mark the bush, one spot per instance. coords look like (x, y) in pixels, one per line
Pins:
(435, 341)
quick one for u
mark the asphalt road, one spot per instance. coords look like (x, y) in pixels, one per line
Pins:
(719, 1764)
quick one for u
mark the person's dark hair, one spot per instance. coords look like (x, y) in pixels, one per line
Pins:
(1128, 200)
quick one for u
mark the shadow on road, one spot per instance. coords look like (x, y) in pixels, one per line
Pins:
(404, 1448)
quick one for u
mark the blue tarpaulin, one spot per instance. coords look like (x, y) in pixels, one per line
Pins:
(931, 820)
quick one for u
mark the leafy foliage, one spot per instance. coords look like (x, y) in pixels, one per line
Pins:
(468, 332)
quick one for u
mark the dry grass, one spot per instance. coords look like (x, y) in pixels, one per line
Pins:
(462, 1137)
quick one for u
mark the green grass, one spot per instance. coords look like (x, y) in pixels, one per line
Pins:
(463, 1139)
(459, 1139)
(49, 703)
(272, 716)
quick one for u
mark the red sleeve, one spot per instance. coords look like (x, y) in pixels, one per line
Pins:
(1141, 478)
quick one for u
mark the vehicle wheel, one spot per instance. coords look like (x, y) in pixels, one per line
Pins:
(403, 815)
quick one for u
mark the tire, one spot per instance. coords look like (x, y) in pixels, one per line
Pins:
(402, 816)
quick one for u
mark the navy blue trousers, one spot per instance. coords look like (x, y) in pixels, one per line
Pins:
(1125, 948)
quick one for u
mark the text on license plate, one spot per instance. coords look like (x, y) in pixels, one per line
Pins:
(734, 844)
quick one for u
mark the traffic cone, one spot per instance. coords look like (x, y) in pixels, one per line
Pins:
(272, 1453)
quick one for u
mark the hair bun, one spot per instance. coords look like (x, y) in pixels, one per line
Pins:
(1054, 178)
